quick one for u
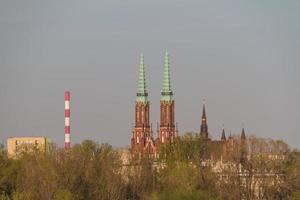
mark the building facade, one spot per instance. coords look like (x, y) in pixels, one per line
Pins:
(19, 145)
(225, 149)
(144, 143)
(142, 140)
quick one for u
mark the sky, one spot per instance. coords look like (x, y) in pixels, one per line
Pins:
(242, 57)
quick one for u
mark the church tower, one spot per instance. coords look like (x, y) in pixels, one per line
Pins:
(141, 132)
(167, 129)
(223, 137)
(204, 127)
(243, 147)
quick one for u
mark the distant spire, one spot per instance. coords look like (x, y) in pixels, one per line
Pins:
(142, 91)
(203, 112)
(243, 135)
(204, 127)
(166, 93)
(223, 137)
(243, 147)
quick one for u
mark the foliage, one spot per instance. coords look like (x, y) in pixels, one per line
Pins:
(86, 171)
(182, 194)
(92, 171)
(63, 195)
(8, 174)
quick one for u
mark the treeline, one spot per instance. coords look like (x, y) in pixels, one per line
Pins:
(91, 171)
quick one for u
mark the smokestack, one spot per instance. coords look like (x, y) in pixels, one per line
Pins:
(67, 119)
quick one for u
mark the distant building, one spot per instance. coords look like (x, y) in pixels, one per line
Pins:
(229, 157)
(19, 145)
(143, 142)
(223, 149)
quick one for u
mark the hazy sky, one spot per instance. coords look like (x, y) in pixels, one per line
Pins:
(243, 57)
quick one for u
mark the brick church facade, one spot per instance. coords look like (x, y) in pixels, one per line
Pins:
(143, 141)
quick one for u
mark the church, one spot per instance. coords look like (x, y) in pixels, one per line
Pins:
(143, 141)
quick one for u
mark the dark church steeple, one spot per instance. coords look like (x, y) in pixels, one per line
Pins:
(204, 128)
(243, 147)
(243, 135)
(223, 137)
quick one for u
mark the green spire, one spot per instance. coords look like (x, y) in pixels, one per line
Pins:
(166, 93)
(142, 92)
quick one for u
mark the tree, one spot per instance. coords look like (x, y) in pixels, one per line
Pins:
(62, 195)
(8, 174)
(182, 172)
(37, 178)
(292, 171)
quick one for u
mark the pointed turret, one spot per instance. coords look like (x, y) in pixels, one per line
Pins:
(203, 112)
(142, 91)
(166, 93)
(243, 135)
(223, 137)
(243, 147)
(204, 128)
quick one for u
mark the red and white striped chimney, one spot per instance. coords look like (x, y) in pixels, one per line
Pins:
(67, 119)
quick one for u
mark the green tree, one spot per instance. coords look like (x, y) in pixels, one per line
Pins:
(62, 195)
(8, 174)
(292, 171)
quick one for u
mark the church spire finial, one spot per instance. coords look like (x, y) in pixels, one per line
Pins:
(142, 91)
(166, 93)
